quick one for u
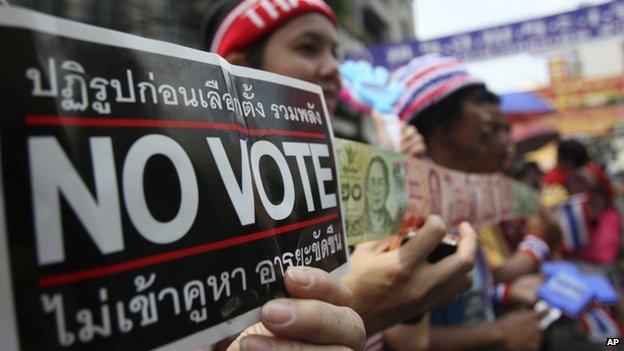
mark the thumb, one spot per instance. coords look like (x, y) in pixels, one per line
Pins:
(424, 241)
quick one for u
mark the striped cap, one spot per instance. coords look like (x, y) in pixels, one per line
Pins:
(429, 79)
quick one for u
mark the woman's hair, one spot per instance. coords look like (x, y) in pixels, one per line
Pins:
(443, 113)
(574, 152)
(210, 24)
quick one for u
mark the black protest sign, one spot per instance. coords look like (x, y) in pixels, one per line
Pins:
(153, 194)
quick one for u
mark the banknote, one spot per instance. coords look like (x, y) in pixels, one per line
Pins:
(373, 190)
(526, 200)
(435, 190)
(504, 196)
(385, 193)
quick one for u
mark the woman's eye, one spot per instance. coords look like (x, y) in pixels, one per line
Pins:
(307, 48)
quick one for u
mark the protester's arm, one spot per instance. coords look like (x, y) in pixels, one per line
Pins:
(477, 337)
(523, 290)
(316, 317)
(520, 263)
(544, 236)
(513, 332)
(392, 286)
(408, 337)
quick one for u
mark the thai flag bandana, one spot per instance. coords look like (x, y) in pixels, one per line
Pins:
(427, 80)
(573, 221)
(253, 19)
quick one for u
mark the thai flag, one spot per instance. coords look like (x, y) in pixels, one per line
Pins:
(573, 222)
(600, 325)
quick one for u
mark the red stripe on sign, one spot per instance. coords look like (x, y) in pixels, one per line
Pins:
(97, 272)
(47, 120)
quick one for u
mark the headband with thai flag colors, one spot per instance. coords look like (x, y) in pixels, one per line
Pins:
(427, 80)
(253, 19)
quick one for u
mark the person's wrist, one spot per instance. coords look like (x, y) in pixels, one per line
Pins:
(496, 333)
(535, 246)
(357, 304)
(503, 293)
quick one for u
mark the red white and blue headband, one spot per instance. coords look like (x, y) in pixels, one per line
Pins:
(427, 80)
(253, 19)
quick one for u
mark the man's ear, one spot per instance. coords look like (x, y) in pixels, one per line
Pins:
(237, 58)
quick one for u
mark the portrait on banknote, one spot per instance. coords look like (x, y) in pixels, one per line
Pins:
(376, 216)
(417, 208)
(373, 190)
(458, 205)
(435, 191)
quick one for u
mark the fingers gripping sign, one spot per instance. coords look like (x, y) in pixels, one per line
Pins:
(317, 317)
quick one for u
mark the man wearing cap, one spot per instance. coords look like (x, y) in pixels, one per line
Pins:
(445, 103)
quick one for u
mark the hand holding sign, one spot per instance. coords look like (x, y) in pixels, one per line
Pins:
(393, 286)
(317, 314)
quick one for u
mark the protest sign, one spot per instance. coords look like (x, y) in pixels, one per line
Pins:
(564, 281)
(567, 291)
(153, 195)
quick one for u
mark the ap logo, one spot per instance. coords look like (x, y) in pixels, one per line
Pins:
(613, 341)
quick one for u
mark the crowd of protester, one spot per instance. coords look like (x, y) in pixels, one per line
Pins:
(478, 298)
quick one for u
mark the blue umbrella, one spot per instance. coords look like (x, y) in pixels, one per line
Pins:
(524, 104)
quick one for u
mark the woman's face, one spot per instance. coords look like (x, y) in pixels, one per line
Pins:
(305, 48)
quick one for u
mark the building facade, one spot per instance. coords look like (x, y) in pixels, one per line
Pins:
(363, 22)
(369, 22)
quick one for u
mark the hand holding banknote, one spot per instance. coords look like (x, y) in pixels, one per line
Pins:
(412, 143)
(392, 286)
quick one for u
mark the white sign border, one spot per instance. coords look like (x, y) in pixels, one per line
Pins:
(8, 322)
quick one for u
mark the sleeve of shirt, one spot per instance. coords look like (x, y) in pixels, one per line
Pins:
(493, 247)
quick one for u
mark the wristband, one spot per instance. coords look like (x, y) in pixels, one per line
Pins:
(501, 293)
(535, 246)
